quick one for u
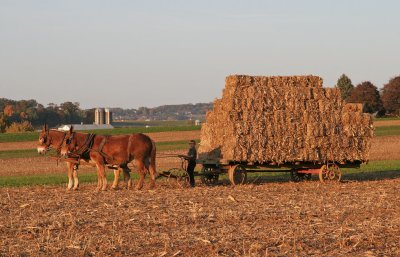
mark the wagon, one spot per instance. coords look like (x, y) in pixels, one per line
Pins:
(299, 171)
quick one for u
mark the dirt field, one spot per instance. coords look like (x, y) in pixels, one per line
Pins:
(385, 148)
(274, 219)
(158, 137)
(382, 123)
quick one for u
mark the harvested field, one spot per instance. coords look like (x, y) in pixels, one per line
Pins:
(384, 123)
(158, 137)
(18, 145)
(385, 148)
(274, 219)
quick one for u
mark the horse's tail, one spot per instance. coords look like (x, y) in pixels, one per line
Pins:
(153, 153)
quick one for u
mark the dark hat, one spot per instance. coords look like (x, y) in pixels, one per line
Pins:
(192, 142)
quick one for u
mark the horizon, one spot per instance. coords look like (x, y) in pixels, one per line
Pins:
(147, 54)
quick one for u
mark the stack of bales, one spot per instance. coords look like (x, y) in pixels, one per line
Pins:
(284, 119)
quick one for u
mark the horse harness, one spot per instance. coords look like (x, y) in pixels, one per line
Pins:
(58, 149)
(88, 147)
(85, 148)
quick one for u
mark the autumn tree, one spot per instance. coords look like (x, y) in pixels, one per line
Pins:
(391, 96)
(345, 86)
(17, 127)
(8, 110)
(3, 122)
(367, 94)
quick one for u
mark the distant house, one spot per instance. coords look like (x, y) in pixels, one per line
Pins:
(197, 122)
(86, 127)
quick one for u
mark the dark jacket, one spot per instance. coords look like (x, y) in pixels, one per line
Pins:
(192, 153)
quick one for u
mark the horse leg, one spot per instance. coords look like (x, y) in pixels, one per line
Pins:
(104, 179)
(152, 166)
(152, 174)
(116, 178)
(70, 167)
(142, 173)
(76, 180)
(127, 178)
(101, 178)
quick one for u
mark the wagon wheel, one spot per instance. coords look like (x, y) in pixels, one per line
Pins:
(209, 177)
(330, 172)
(298, 177)
(178, 176)
(237, 175)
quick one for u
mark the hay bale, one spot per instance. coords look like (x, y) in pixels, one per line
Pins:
(284, 119)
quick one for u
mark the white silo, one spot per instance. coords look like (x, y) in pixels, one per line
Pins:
(99, 116)
(108, 116)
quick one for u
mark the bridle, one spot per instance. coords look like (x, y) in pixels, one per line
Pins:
(46, 137)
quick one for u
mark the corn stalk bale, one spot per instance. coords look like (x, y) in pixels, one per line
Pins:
(284, 119)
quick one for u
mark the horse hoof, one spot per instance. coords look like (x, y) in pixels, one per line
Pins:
(75, 188)
(115, 187)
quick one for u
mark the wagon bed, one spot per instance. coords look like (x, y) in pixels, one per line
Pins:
(299, 171)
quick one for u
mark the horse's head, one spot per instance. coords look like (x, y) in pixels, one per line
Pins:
(44, 140)
(70, 143)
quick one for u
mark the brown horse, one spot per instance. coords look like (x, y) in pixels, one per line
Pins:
(54, 139)
(115, 151)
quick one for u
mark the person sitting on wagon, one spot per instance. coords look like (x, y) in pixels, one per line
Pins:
(191, 158)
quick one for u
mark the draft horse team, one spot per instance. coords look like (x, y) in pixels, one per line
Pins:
(115, 152)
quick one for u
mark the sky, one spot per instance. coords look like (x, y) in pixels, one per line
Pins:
(149, 53)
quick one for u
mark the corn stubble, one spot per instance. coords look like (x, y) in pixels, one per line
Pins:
(284, 119)
(272, 219)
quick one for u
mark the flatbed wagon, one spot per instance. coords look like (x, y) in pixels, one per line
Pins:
(299, 171)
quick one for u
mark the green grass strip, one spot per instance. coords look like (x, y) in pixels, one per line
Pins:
(32, 136)
(387, 131)
(386, 118)
(54, 179)
(25, 153)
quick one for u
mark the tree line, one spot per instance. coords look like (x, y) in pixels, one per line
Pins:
(24, 115)
(383, 102)
(164, 112)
